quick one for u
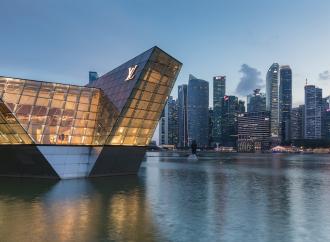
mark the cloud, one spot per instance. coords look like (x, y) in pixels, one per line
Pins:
(249, 81)
(324, 76)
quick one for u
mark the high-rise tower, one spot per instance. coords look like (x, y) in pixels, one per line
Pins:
(219, 91)
(272, 102)
(183, 115)
(285, 102)
(198, 111)
(313, 112)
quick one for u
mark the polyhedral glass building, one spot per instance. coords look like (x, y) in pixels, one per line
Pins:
(67, 131)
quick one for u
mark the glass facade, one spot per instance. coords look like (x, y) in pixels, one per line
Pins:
(120, 108)
(11, 132)
(52, 113)
(140, 115)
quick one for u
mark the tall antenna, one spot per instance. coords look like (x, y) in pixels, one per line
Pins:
(306, 82)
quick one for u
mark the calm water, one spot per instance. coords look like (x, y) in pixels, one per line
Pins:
(229, 197)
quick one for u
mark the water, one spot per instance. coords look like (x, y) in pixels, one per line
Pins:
(227, 197)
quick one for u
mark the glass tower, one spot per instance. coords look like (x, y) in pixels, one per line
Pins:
(285, 105)
(219, 91)
(256, 102)
(198, 111)
(183, 115)
(272, 101)
(313, 112)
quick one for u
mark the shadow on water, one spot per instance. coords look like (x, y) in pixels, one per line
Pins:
(100, 209)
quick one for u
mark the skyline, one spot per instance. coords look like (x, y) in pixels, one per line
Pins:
(62, 41)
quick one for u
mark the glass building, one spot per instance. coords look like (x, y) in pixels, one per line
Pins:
(230, 111)
(285, 104)
(183, 115)
(272, 101)
(198, 111)
(297, 127)
(313, 112)
(253, 131)
(67, 131)
(256, 102)
(219, 91)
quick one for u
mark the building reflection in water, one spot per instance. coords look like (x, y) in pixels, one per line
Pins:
(75, 210)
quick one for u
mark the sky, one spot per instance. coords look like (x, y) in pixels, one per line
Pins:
(61, 40)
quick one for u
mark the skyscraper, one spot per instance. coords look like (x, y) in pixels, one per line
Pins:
(198, 111)
(93, 76)
(163, 127)
(173, 129)
(296, 124)
(168, 124)
(183, 115)
(285, 105)
(229, 114)
(326, 118)
(253, 131)
(272, 102)
(256, 102)
(313, 112)
(219, 91)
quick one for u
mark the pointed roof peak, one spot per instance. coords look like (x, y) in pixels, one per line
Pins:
(192, 77)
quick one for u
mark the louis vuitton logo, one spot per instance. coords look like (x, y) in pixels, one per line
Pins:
(131, 72)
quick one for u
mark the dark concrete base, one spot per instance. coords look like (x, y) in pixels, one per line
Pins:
(29, 161)
(118, 160)
(24, 161)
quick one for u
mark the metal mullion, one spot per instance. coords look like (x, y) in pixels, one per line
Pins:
(48, 107)
(75, 116)
(36, 97)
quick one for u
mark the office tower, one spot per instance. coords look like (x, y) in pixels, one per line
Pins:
(163, 127)
(272, 102)
(219, 91)
(229, 121)
(256, 102)
(297, 128)
(168, 124)
(241, 106)
(173, 128)
(285, 102)
(211, 113)
(183, 115)
(93, 76)
(253, 131)
(198, 111)
(313, 112)
(326, 118)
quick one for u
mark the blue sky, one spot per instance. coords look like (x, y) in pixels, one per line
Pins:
(62, 40)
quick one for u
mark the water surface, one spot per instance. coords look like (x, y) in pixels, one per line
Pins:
(222, 197)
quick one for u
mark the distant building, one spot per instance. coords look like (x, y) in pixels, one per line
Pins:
(272, 101)
(326, 118)
(256, 102)
(182, 103)
(313, 112)
(297, 127)
(285, 102)
(93, 76)
(253, 131)
(168, 124)
(173, 128)
(163, 127)
(241, 106)
(219, 91)
(229, 121)
(198, 111)
(211, 118)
